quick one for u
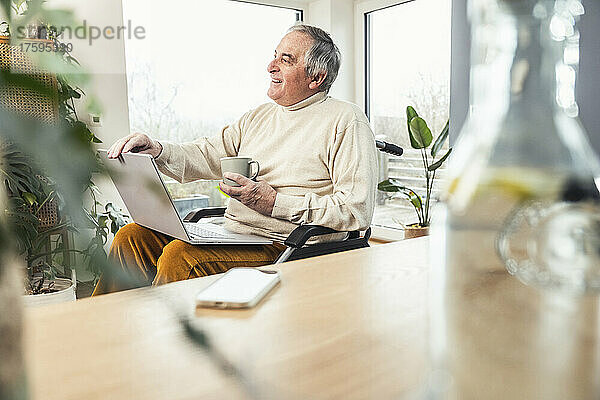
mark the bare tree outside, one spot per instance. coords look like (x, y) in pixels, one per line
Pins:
(151, 111)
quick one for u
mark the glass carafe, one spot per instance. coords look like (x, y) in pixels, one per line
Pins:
(514, 313)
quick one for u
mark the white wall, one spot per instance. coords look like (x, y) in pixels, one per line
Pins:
(319, 14)
(104, 60)
(336, 17)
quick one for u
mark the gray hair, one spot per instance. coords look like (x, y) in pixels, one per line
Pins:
(323, 56)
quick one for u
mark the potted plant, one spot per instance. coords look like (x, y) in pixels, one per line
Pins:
(31, 191)
(421, 138)
(27, 194)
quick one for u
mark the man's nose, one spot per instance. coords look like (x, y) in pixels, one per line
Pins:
(272, 67)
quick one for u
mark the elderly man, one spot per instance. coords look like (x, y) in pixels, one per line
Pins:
(318, 166)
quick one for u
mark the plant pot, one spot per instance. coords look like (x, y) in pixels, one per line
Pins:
(65, 292)
(415, 231)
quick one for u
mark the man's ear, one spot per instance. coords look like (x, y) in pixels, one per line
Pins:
(317, 81)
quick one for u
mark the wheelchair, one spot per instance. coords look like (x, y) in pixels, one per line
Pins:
(296, 241)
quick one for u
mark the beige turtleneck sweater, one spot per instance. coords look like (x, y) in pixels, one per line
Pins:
(319, 155)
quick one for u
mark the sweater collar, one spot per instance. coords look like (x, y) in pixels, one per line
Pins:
(315, 98)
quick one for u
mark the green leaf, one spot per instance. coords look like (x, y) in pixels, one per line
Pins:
(102, 221)
(18, 174)
(441, 139)
(420, 135)
(394, 185)
(29, 197)
(95, 139)
(388, 186)
(439, 162)
(415, 199)
(410, 114)
(75, 94)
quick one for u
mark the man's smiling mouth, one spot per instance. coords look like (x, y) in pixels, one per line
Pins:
(276, 80)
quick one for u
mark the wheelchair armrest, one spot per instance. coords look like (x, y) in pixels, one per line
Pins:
(296, 240)
(196, 215)
(301, 234)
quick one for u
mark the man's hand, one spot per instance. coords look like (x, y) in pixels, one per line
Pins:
(135, 143)
(258, 196)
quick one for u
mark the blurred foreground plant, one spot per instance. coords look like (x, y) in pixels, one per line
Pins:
(51, 163)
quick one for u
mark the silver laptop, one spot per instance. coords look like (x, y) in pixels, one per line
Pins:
(142, 189)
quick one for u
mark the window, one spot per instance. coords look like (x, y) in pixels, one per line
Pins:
(199, 70)
(407, 63)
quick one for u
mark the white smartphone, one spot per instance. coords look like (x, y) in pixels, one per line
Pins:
(238, 288)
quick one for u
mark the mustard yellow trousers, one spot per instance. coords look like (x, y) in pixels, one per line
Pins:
(152, 258)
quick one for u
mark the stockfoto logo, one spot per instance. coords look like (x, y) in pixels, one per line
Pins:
(87, 31)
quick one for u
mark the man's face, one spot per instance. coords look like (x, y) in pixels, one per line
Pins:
(289, 83)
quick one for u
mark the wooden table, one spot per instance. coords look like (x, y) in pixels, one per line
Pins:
(345, 326)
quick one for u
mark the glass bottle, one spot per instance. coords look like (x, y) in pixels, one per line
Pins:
(519, 228)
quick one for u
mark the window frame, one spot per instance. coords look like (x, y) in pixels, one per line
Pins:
(361, 82)
(362, 47)
(362, 51)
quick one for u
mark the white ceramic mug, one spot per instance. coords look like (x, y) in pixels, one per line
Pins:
(239, 165)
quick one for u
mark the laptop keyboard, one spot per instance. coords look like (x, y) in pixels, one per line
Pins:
(195, 230)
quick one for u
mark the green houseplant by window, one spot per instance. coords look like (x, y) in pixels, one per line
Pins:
(421, 138)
